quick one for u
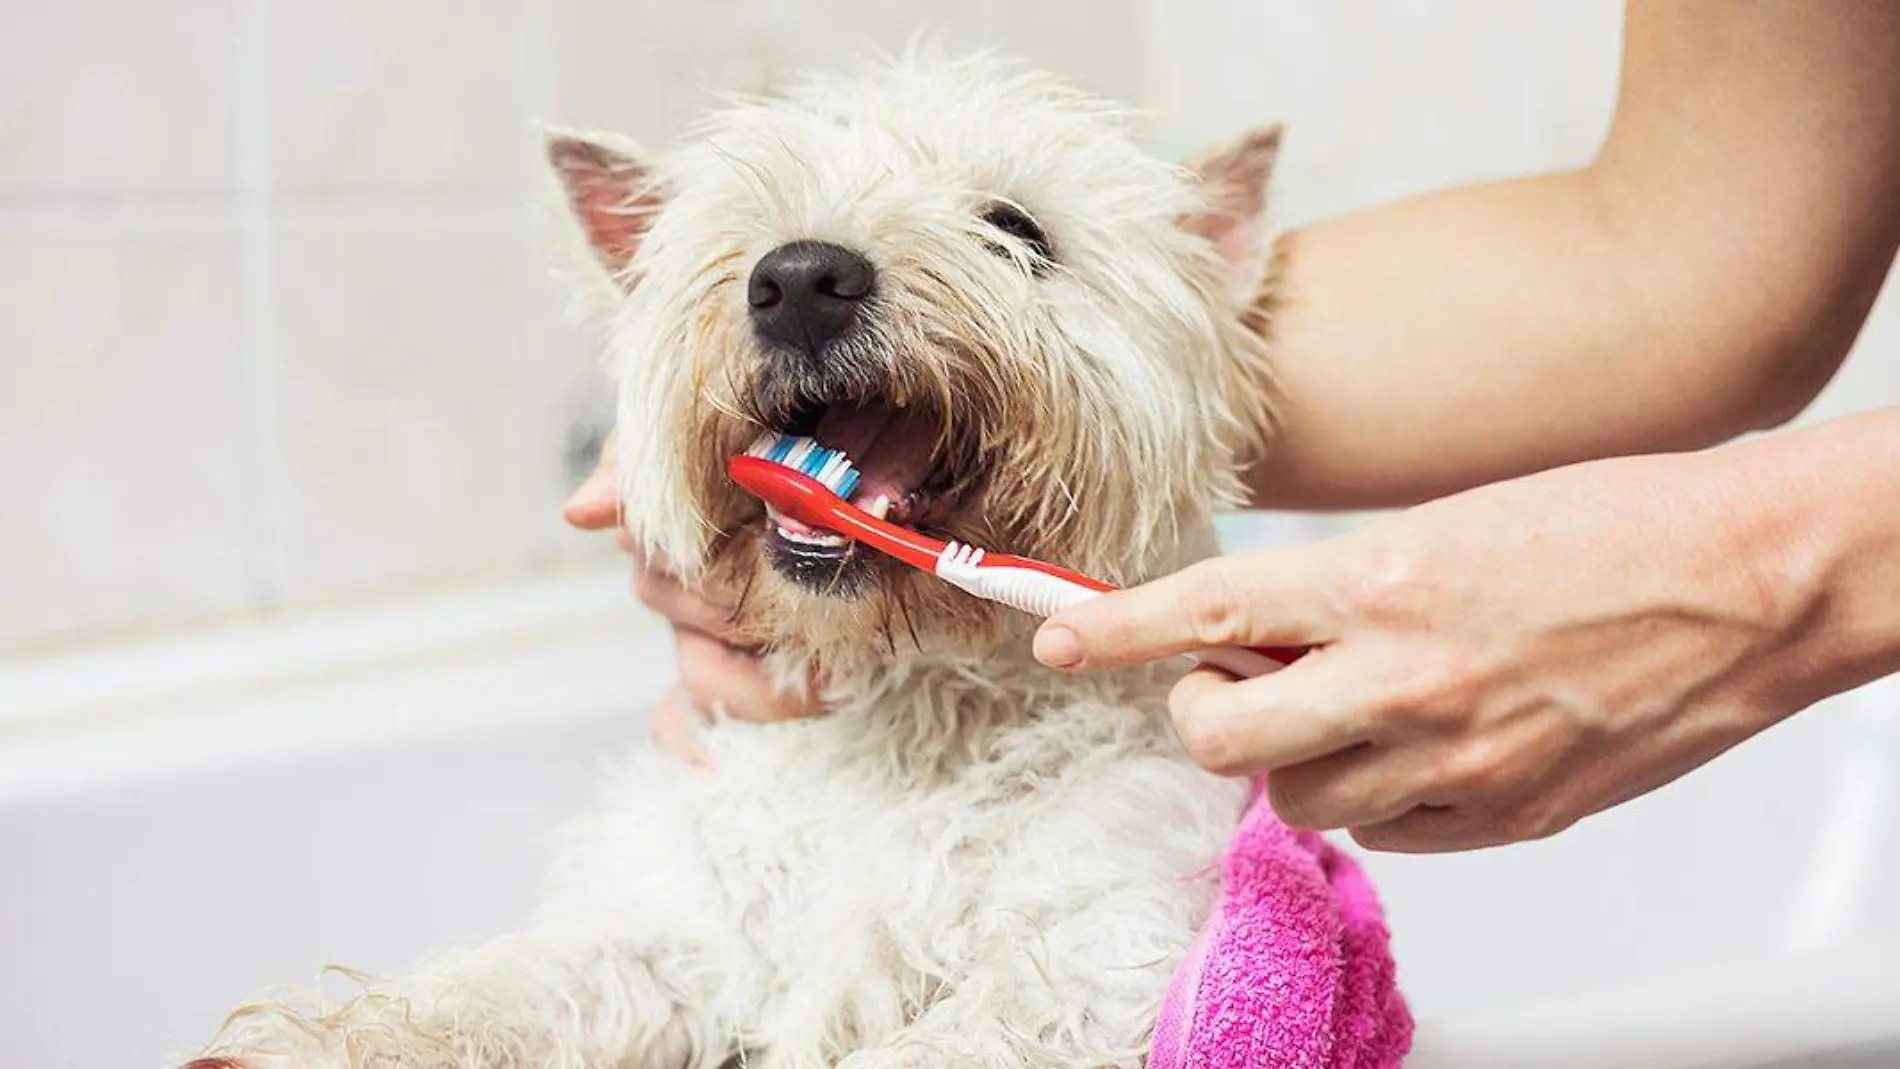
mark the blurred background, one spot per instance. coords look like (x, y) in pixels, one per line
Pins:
(297, 664)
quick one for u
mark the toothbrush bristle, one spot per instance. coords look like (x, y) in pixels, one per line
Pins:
(829, 466)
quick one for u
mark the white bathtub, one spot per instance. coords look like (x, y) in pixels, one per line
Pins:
(183, 824)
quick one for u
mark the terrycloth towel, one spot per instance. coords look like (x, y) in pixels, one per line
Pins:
(1294, 969)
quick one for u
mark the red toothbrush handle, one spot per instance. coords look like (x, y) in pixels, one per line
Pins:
(805, 499)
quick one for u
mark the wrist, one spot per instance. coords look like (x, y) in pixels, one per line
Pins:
(1813, 520)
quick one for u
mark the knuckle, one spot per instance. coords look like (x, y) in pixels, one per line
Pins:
(1215, 615)
(1207, 734)
(1294, 802)
(1432, 694)
(1391, 584)
(1476, 767)
(1376, 838)
(650, 587)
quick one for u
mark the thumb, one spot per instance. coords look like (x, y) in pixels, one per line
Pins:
(595, 504)
(1264, 598)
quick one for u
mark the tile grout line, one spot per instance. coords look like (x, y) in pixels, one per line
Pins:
(259, 441)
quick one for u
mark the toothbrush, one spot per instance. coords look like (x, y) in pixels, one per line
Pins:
(812, 484)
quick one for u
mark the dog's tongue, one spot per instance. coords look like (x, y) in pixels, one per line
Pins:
(890, 448)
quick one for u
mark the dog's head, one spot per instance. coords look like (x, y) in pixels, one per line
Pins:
(1026, 332)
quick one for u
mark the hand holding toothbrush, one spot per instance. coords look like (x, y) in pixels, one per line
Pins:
(1496, 665)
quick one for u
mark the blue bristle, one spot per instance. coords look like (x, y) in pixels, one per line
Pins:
(812, 461)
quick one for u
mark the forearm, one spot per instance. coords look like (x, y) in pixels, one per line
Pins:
(1818, 516)
(1703, 277)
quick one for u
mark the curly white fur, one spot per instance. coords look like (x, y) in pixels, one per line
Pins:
(972, 861)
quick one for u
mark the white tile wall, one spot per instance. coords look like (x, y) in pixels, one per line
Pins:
(118, 444)
(419, 95)
(116, 95)
(412, 421)
(272, 319)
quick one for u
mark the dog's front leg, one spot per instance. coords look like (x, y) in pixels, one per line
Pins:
(1070, 954)
(1025, 1011)
(541, 1000)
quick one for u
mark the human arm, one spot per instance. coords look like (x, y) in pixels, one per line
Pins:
(1703, 276)
(1498, 664)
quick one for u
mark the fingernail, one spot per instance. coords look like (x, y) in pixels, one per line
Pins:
(1058, 647)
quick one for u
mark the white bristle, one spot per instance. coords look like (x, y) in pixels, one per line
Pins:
(834, 470)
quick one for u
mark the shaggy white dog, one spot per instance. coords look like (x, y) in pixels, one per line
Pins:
(1030, 335)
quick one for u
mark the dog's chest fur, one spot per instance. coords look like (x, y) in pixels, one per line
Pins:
(854, 880)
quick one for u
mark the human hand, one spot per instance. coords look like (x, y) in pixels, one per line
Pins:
(717, 670)
(1490, 667)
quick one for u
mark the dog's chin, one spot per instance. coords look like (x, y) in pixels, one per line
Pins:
(820, 568)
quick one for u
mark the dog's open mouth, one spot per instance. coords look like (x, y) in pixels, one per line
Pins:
(904, 478)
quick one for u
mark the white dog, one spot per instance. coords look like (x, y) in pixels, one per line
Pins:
(1030, 335)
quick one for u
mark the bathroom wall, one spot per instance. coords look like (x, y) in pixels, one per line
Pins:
(275, 328)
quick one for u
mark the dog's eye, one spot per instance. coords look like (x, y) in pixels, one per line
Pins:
(1017, 224)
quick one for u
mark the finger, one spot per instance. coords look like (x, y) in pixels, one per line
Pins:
(1266, 598)
(1429, 830)
(676, 729)
(1357, 786)
(685, 608)
(595, 504)
(624, 541)
(719, 678)
(1234, 727)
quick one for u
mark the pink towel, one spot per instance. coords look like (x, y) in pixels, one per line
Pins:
(1293, 971)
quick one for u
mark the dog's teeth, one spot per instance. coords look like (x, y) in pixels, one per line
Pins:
(881, 507)
(814, 538)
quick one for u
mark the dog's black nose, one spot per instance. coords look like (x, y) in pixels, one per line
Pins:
(807, 295)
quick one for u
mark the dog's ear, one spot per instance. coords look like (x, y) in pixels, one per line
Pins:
(1234, 178)
(610, 190)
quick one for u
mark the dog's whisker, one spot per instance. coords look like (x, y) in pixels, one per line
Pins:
(903, 609)
(745, 593)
